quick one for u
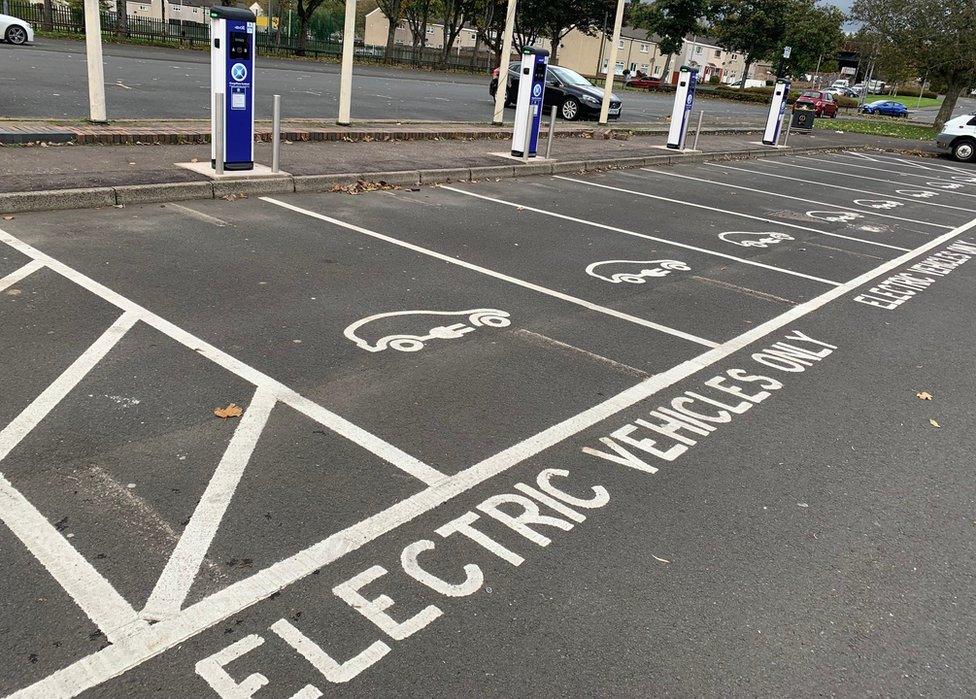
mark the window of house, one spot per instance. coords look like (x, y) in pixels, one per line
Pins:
(698, 49)
(657, 71)
(718, 53)
(620, 44)
(643, 48)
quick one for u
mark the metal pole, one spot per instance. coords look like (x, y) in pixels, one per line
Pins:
(552, 132)
(528, 132)
(348, 51)
(276, 135)
(618, 23)
(218, 134)
(498, 118)
(779, 131)
(922, 89)
(96, 69)
(789, 125)
(701, 115)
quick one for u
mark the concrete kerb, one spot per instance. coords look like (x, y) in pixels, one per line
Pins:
(169, 191)
(97, 197)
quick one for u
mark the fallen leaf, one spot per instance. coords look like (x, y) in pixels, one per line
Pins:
(8, 218)
(662, 560)
(923, 395)
(934, 423)
(232, 410)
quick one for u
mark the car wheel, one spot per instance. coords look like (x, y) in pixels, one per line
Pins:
(16, 34)
(964, 150)
(833, 114)
(570, 109)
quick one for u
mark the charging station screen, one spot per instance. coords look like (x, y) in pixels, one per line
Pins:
(240, 45)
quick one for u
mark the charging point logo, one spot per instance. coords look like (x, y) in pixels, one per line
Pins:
(238, 72)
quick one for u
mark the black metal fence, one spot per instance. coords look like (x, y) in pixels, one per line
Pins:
(176, 32)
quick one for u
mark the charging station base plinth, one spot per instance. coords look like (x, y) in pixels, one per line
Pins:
(204, 168)
(676, 150)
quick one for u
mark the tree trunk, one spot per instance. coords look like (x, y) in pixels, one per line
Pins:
(953, 90)
(48, 16)
(554, 54)
(477, 50)
(390, 40)
(666, 74)
(302, 32)
(121, 18)
(745, 74)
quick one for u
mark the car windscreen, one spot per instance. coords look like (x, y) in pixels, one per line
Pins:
(809, 93)
(568, 77)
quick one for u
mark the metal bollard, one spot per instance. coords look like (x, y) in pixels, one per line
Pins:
(789, 125)
(528, 133)
(552, 133)
(276, 135)
(701, 115)
(218, 134)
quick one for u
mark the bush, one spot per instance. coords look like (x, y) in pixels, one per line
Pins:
(714, 80)
(763, 95)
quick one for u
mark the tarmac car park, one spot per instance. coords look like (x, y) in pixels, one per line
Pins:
(718, 480)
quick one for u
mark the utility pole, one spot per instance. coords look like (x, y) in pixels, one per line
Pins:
(96, 68)
(498, 118)
(618, 24)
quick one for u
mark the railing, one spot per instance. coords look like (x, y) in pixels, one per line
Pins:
(70, 20)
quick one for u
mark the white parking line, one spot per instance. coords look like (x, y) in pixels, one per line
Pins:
(497, 275)
(886, 195)
(787, 196)
(184, 563)
(87, 587)
(930, 164)
(836, 186)
(20, 274)
(130, 652)
(336, 423)
(903, 183)
(635, 234)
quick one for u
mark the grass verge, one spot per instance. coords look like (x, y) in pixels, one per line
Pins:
(878, 127)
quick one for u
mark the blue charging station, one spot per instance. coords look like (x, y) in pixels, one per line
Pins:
(531, 94)
(777, 108)
(232, 74)
(684, 100)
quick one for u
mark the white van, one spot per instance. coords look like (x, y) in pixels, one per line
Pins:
(843, 82)
(959, 138)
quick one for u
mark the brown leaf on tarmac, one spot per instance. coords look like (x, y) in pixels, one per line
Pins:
(923, 395)
(232, 410)
(934, 423)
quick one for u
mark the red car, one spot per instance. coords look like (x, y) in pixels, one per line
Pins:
(644, 83)
(823, 102)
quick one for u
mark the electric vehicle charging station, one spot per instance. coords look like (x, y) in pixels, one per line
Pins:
(777, 108)
(232, 50)
(684, 100)
(531, 93)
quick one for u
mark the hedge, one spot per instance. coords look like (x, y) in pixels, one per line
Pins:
(763, 94)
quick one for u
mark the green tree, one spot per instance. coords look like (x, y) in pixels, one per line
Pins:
(554, 20)
(393, 9)
(813, 32)
(672, 21)
(755, 28)
(937, 34)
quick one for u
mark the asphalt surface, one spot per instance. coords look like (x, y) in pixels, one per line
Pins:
(807, 528)
(49, 79)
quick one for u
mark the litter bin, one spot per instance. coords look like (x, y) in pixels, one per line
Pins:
(803, 117)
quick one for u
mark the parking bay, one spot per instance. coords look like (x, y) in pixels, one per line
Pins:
(208, 278)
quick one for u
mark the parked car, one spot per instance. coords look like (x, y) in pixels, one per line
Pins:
(15, 31)
(645, 82)
(885, 108)
(842, 82)
(958, 137)
(821, 101)
(574, 96)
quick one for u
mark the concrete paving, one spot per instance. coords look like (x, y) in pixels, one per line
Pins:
(616, 434)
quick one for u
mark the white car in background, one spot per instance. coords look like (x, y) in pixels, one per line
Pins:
(15, 31)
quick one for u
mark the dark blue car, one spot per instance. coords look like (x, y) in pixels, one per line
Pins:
(886, 108)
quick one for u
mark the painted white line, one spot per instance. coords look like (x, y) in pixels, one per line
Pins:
(87, 587)
(497, 275)
(339, 425)
(842, 207)
(787, 196)
(903, 183)
(116, 659)
(184, 563)
(20, 274)
(930, 164)
(665, 241)
(547, 341)
(886, 195)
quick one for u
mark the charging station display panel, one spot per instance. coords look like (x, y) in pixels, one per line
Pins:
(232, 74)
(684, 101)
(777, 108)
(531, 96)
